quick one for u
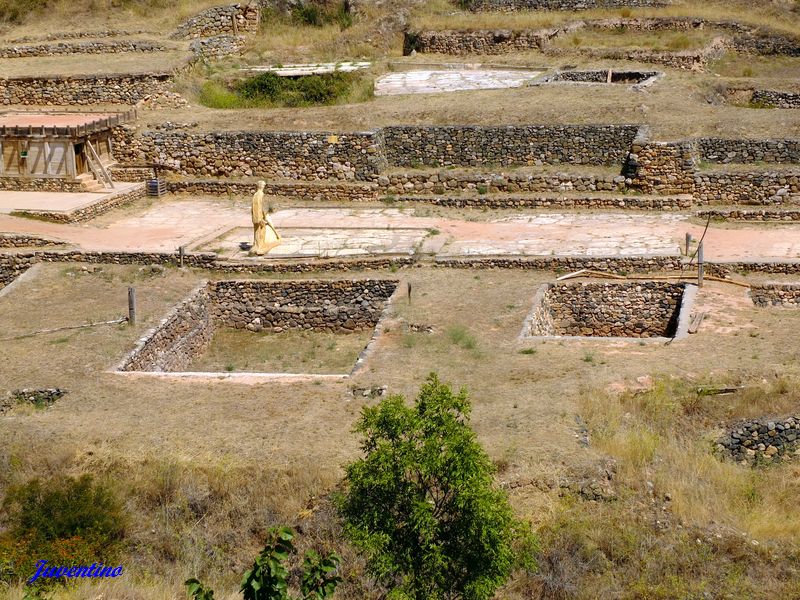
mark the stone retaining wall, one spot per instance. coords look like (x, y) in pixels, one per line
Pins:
(310, 191)
(218, 46)
(74, 35)
(22, 240)
(775, 99)
(744, 151)
(514, 5)
(131, 174)
(232, 19)
(473, 146)
(613, 264)
(181, 336)
(273, 154)
(12, 266)
(454, 180)
(738, 214)
(585, 202)
(762, 440)
(476, 42)
(747, 187)
(70, 48)
(337, 306)
(41, 184)
(661, 167)
(776, 294)
(276, 306)
(87, 213)
(83, 89)
(636, 309)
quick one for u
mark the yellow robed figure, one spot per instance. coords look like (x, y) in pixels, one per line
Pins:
(265, 236)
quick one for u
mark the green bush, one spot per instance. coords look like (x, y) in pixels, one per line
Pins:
(296, 91)
(421, 502)
(64, 520)
(315, 15)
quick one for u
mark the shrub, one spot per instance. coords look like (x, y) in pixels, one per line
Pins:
(314, 15)
(15, 11)
(421, 503)
(268, 578)
(65, 520)
(296, 91)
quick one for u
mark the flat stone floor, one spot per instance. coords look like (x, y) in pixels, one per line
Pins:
(451, 80)
(165, 225)
(59, 202)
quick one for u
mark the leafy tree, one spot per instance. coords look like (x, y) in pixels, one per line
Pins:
(421, 502)
(268, 578)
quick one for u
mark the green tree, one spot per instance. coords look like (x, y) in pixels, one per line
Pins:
(268, 578)
(422, 505)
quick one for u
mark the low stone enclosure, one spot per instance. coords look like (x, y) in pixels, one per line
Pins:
(762, 440)
(641, 309)
(736, 37)
(338, 306)
(623, 76)
(755, 98)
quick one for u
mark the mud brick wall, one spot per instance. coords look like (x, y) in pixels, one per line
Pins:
(339, 306)
(472, 146)
(748, 187)
(275, 154)
(83, 89)
(70, 48)
(638, 310)
(219, 20)
(760, 440)
(776, 294)
(180, 337)
(744, 151)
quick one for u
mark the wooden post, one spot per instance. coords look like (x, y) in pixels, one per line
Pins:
(608, 80)
(688, 242)
(408, 287)
(131, 306)
(181, 253)
(700, 266)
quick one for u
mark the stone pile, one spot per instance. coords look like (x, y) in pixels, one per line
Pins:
(762, 440)
(38, 397)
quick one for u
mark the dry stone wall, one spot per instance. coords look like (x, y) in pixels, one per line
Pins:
(775, 99)
(337, 306)
(661, 167)
(90, 47)
(41, 184)
(776, 294)
(745, 151)
(185, 332)
(219, 20)
(762, 440)
(355, 192)
(22, 240)
(514, 5)
(89, 212)
(637, 310)
(473, 146)
(83, 89)
(497, 41)
(748, 187)
(275, 154)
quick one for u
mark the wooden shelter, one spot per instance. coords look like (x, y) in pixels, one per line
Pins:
(70, 146)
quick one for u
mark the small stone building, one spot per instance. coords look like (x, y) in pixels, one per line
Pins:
(57, 151)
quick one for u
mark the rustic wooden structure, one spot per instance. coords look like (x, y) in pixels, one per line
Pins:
(68, 146)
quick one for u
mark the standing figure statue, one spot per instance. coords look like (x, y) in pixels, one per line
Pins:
(265, 236)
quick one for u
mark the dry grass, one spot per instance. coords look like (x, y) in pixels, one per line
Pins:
(204, 467)
(92, 64)
(286, 352)
(660, 41)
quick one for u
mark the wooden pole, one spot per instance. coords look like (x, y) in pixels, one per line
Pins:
(700, 265)
(181, 253)
(131, 306)
(408, 287)
(688, 242)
